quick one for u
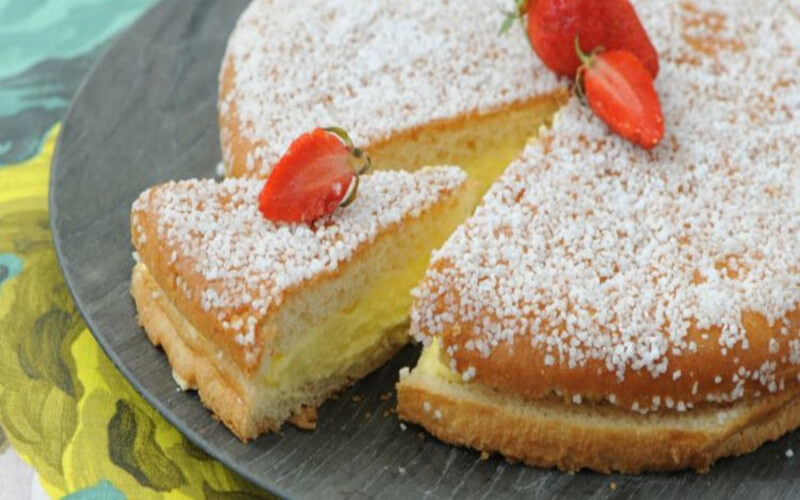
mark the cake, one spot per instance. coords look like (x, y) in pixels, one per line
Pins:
(623, 310)
(605, 307)
(268, 320)
(415, 83)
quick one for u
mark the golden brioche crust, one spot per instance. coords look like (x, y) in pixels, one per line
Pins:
(551, 433)
(705, 374)
(237, 148)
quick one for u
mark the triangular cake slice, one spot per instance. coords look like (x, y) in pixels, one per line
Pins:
(267, 321)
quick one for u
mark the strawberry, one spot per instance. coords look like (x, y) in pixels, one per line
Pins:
(620, 91)
(313, 178)
(611, 24)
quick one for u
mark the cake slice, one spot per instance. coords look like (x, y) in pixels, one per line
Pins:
(268, 320)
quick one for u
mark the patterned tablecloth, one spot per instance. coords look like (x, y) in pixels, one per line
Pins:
(63, 407)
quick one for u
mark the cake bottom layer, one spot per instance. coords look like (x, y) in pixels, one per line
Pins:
(247, 406)
(554, 433)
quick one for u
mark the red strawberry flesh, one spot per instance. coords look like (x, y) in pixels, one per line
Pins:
(309, 181)
(611, 24)
(620, 91)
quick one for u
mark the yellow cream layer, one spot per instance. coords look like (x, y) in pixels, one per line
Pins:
(482, 145)
(379, 314)
(430, 363)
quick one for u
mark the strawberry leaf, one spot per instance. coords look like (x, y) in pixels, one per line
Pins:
(508, 22)
(511, 16)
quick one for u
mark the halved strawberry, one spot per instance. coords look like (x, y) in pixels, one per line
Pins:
(611, 24)
(620, 91)
(313, 178)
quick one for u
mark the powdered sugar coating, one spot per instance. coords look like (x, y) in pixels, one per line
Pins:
(372, 67)
(245, 263)
(625, 250)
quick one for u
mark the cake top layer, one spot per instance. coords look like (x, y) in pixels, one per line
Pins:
(373, 67)
(238, 266)
(598, 254)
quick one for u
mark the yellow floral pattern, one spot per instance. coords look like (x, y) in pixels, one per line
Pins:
(63, 405)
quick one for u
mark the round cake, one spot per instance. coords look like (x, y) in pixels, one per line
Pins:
(605, 306)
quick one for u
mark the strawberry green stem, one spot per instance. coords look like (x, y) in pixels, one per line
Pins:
(367, 165)
(342, 135)
(511, 17)
(586, 62)
(352, 191)
(585, 58)
(358, 154)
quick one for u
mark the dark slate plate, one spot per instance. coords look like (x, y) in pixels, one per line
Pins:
(147, 114)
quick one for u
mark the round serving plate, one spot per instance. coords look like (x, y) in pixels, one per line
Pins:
(147, 114)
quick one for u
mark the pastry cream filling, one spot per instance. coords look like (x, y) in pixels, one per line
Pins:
(485, 168)
(340, 341)
(483, 145)
(378, 315)
(430, 363)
